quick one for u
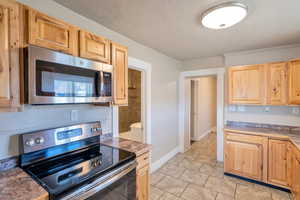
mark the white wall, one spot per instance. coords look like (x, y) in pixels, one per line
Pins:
(203, 110)
(281, 115)
(165, 73)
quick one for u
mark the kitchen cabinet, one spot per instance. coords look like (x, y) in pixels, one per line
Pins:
(277, 79)
(48, 32)
(94, 47)
(294, 82)
(278, 162)
(143, 177)
(246, 155)
(246, 84)
(295, 175)
(119, 60)
(9, 56)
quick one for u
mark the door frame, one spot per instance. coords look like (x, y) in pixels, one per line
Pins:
(146, 70)
(184, 110)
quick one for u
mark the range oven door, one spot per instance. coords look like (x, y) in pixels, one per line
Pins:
(117, 185)
(57, 78)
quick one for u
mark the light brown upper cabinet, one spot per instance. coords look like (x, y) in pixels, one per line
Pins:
(294, 82)
(247, 84)
(48, 32)
(246, 155)
(94, 47)
(278, 162)
(9, 56)
(277, 81)
(119, 57)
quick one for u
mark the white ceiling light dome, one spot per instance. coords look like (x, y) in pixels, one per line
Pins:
(224, 15)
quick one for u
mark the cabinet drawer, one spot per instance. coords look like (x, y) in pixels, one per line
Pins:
(143, 160)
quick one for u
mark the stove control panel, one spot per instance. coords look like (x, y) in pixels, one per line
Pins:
(48, 138)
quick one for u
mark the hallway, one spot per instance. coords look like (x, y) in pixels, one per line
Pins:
(196, 175)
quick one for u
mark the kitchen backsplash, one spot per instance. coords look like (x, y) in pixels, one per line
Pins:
(34, 118)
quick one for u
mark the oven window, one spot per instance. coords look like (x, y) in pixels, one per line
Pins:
(65, 81)
(123, 189)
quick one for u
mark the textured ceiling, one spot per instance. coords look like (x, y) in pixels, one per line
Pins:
(173, 27)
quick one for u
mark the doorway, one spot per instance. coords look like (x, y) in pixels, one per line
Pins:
(185, 108)
(203, 111)
(130, 116)
(146, 116)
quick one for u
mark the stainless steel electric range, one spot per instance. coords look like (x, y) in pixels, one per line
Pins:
(70, 163)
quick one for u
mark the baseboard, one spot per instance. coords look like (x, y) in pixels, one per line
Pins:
(157, 164)
(203, 135)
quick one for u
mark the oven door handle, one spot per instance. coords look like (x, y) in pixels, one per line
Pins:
(98, 185)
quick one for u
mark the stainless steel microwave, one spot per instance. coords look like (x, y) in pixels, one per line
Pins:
(53, 77)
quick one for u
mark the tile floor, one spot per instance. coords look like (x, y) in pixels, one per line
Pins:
(196, 175)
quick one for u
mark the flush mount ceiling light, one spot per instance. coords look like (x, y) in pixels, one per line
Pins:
(224, 15)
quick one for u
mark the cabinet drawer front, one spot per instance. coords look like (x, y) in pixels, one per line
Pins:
(143, 160)
(245, 138)
(50, 33)
(94, 47)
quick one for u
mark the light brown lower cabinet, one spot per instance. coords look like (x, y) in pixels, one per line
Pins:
(295, 174)
(246, 156)
(278, 164)
(143, 177)
(143, 186)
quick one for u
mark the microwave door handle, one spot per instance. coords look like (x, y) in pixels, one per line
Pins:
(102, 92)
(98, 84)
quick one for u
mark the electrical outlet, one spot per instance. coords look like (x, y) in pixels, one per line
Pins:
(74, 115)
(295, 110)
(232, 108)
(241, 108)
(267, 109)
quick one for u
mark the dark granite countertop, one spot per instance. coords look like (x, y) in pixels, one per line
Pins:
(15, 184)
(129, 145)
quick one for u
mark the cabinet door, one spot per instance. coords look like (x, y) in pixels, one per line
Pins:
(277, 90)
(247, 85)
(294, 82)
(295, 184)
(120, 64)
(48, 32)
(94, 47)
(143, 183)
(245, 155)
(9, 56)
(278, 166)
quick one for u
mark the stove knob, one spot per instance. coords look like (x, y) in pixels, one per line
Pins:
(30, 142)
(39, 140)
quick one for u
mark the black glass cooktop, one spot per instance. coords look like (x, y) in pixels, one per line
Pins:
(62, 173)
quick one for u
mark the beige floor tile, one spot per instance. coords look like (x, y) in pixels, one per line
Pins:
(222, 196)
(193, 192)
(156, 177)
(207, 169)
(238, 181)
(279, 195)
(168, 196)
(218, 172)
(155, 193)
(251, 193)
(190, 164)
(221, 185)
(194, 177)
(172, 170)
(172, 185)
